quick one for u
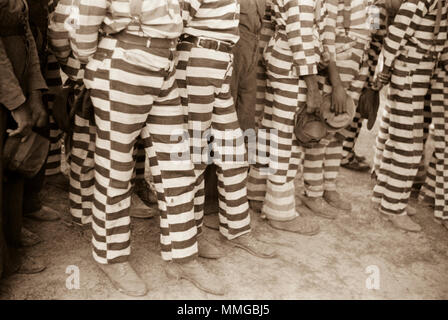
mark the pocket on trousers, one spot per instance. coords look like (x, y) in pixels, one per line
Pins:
(143, 60)
(212, 73)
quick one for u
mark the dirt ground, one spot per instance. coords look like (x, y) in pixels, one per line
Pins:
(330, 265)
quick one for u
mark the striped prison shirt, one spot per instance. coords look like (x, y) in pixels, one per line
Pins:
(157, 19)
(414, 24)
(297, 19)
(59, 41)
(212, 19)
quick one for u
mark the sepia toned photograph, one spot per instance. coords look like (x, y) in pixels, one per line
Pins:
(223, 150)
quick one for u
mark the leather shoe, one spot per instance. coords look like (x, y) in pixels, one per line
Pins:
(402, 222)
(320, 207)
(29, 265)
(124, 278)
(300, 224)
(208, 250)
(334, 199)
(252, 245)
(28, 238)
(211, 221)
(144, 192)
(44, 214)
(197, 274)
(139, 209)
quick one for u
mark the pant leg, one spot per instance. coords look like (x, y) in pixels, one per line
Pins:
(244, 79)
(427, 119)
(198, 113)
(211, 112)
(140, 161)
(283, 154)
(173, 173)
(256, 184)
(53, 79)
(404, 145)
(438, 160)
(82, 174)
(127, 94)
(231, 160)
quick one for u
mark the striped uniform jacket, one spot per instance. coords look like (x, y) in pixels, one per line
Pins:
(59, 41)
(158, 19)
(221, 25)
(414, 25)
(295, 23)
(345, 32)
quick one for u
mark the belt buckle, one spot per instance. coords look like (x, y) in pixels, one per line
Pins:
(198, 43)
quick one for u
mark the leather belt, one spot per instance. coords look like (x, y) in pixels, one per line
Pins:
(211, 44)
(160, 43)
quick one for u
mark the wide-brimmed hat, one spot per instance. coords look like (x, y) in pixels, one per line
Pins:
(28, 157)
(338, 122)
(309, 128)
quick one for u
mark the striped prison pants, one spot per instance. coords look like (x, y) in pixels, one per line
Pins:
(436, 183)
(266, 33)
(257, 190)
(422, 172)
(403, 136)
(134, 93)
(271, 178)
(82, 167)
(203, 77)
(322, 160)
(54, 82)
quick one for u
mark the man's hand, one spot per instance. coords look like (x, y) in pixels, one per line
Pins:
(38, 113)
(22, 116)
(384, 76)
(313, 96)
(338, 100)
(324, 61)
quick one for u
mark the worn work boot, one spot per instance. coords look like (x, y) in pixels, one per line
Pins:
(60, 181)
(256, 205)
(28, 238)
(124, 278)
(144, 192)
(254, 246)
(44, 214)
(300, 224)
(29, 265)
(139, 209)
(207, 249)
(402, 222)
(197, 274)
(334, 199)
(320, 207)
(211, 221)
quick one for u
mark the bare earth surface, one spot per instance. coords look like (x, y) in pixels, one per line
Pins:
(330, 265)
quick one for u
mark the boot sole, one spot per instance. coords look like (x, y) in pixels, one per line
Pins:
(252, 252)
